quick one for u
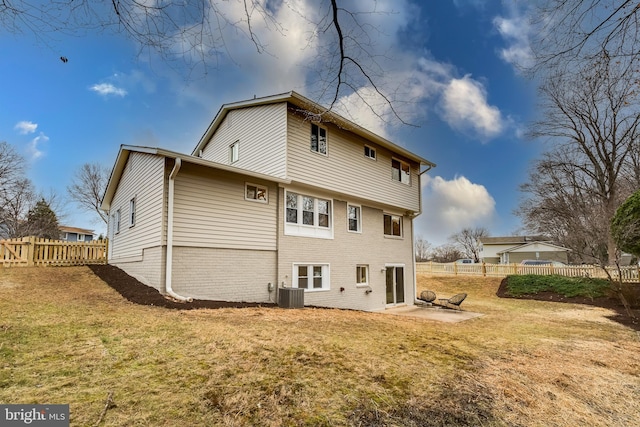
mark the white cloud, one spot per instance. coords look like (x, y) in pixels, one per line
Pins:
(450, 206)
(296, 54)
(465, 108)
(515, 30)
(34, 148)
(25, 127)
(106, 89)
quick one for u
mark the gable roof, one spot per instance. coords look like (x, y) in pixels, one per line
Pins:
(126, 150)
(512, 240)
(66, 229)
(306, 104)
(519, 248)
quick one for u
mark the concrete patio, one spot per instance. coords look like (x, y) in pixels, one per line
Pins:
(432, 312)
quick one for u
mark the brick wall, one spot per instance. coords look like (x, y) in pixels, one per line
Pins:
(224, 274)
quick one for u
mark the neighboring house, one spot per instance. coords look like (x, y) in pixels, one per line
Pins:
(75, 234)
(277, 193)
(514, 249)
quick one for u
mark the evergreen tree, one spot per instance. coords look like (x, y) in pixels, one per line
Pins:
(42, 221)
(625, 226)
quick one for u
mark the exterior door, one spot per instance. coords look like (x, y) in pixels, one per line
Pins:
(395, 284)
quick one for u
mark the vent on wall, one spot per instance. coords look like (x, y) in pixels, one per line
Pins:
(291, 297)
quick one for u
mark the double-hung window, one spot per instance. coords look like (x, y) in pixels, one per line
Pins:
(354, 218)
(400, 171)
(392, 225)
(318, 139)
(312, 277)
(307, 215)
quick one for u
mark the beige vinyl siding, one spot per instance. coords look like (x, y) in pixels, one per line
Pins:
(261, 132)
(210, 211)
(345, 169)
(142, 178)
(344, 253)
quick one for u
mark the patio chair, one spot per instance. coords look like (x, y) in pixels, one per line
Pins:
(427, 296)
(453, 302)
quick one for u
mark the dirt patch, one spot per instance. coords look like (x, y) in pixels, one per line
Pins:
(609, 302)
(139, 293)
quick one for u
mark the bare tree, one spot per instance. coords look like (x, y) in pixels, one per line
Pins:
(570, 32)
(593, 124)
(423, 249)
(16, 192)
(447, 253)
(197, 34)
(88, 186)
(16, 203)
(468, 241)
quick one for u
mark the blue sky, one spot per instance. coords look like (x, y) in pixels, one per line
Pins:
(455, 60)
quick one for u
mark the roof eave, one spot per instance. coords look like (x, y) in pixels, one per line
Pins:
(303, 102)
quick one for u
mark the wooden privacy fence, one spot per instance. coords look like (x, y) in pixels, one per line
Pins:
(34, 251)
(629, 274)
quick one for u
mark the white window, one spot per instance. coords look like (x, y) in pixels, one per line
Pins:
(392, 225)
(354, 218)
(255, 192)
(132, 212)
(307, 216)
(234, 152)
(80, 237)
(312, 277)
(66, 236)
(362, 275)
(400, 171)
(369, 152)
(318, 139)
(116, 221)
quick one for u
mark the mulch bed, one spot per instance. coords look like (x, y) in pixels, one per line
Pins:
(608, 302)
(139, 293)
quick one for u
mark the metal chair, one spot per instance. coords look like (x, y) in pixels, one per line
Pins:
(427, 296)
(453, 302)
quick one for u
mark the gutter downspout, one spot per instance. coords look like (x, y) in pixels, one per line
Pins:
(413, 235)
(169, 263)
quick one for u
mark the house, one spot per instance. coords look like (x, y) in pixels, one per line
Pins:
(75, 234)
(514, 249)
(278, 193)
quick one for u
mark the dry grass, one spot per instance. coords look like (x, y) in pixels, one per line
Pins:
(65, 337)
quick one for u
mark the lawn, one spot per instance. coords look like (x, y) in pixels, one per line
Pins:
(66, 337)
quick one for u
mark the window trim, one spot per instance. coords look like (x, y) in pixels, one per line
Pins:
(326, 275)
(116, 219)
(78, 237)
(393, 236)
(132, 212)
(234, 152)
(407, 181)
(371, 150)
(359, 219)
(257, 187)
(366, 274)
(326, 140)
(298, 228)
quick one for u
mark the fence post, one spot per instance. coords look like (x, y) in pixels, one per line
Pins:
(484, 269)
(31, 248)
